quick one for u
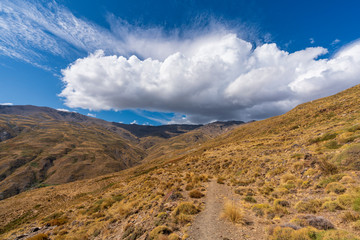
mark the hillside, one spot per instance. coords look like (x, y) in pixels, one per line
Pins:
(294, 176)
(40, 146)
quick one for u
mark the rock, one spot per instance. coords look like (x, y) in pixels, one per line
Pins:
(35, 229)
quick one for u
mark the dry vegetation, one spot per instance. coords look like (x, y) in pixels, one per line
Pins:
(297, 174)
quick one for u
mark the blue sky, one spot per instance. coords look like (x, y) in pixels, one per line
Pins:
(158, 62)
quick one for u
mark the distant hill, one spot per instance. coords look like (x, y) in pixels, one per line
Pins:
(42, 146)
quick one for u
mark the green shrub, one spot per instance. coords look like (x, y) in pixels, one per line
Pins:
(332, 144)
(324, 137)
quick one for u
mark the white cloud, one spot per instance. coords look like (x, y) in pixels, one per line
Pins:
(134, 122)
(91, 115)
(31, 29)
(63, 110)
(221, 78)
(312, 41)
(336, 41)
(6, 104)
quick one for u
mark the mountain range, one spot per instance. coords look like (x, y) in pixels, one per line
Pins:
(41, 146)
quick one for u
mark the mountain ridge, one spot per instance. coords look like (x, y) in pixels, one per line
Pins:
(41, 145)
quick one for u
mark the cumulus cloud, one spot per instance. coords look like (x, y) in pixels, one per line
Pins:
(6, 104)
(224, 77)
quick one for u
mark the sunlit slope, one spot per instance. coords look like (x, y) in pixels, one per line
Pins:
(285, 170)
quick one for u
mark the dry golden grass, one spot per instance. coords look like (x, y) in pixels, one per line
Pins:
(285, 160)
(233, 213)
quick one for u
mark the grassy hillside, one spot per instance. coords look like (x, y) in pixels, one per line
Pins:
(41, 146)
(297, 176)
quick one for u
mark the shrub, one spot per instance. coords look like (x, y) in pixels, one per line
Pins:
(324, 137)
(350, 217)
(317, 222)
(220, 180)
(332, 206)
(345, 200)
(310, 206)
(189, 187)
(354, 128)
(260, 209)
(335, 187)
(57, 222)
(332, 144)
(157, 232)
(186, 208)
(327, 167)
(41, 236)
(287, 177)
(250, 199)
(174, 236)
(350, 158)
(334, 178)
(281, 202)
(280, 233)
(356, 203)
(338, 235)
(347, 179)
(356, 225)
(196, 194)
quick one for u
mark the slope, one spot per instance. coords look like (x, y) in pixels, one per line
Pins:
(41, 146)
(295, 175)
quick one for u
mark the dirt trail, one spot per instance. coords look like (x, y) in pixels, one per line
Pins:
(209, 225)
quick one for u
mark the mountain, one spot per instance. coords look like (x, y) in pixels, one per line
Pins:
(294, 176)
(41, 146)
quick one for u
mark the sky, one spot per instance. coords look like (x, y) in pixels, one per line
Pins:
(177, 61)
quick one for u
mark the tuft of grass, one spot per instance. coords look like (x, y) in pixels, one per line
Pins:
(332, 206)
(186, 208)
(196, 194)
(349, 158)
(40, 236)
(158, 232)
(250, 199)
(57, 222)
(220, 180)
(350, 217)
(333, 144)
(324, 137)
(234, 213)
(335, 187)
(310, 206)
